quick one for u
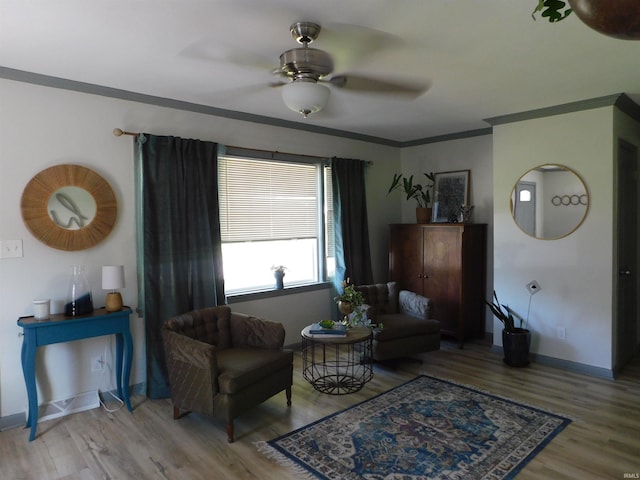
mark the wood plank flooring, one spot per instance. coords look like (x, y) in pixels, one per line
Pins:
(602, 442)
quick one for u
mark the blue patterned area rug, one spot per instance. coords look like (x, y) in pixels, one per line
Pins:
(426, 428)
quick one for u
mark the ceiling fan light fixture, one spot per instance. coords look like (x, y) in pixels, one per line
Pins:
(305, 97)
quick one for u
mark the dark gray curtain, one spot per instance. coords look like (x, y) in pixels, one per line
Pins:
(178, 239)
(352, 253)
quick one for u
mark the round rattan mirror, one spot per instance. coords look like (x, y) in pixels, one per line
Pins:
(69, 207)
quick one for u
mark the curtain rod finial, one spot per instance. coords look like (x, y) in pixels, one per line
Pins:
(118, 132)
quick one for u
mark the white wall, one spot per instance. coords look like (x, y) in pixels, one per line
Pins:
(294, 312)
(473, 153)
(41, 127)
(575, 272)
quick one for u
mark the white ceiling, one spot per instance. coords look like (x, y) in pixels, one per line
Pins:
(481, 58)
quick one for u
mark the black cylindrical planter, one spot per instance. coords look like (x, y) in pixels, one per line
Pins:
(516, 347)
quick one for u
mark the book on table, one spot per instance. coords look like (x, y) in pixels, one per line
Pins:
(337, 330)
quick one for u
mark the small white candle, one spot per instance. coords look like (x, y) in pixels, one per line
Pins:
(41, 309)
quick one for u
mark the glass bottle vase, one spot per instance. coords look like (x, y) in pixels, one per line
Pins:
(79, 298)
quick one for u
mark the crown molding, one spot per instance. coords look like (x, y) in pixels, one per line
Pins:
(620, 100)
(628, 106)
(449, 136)
(93, 89)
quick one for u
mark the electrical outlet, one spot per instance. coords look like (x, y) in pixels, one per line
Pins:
(97, 364)
(533, 287)
(562, 333)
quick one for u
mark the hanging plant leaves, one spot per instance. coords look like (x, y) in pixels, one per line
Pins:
(552, 10)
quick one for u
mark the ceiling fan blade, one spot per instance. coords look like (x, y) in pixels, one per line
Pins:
(371, 85)
(350, 45)
(210, 50)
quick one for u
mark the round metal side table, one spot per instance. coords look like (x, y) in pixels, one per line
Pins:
(337, 365)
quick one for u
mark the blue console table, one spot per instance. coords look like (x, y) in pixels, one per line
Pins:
(61, 328)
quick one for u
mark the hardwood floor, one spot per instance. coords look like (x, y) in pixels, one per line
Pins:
(602, 442)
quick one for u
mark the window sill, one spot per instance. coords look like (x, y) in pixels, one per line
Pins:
(293, 290)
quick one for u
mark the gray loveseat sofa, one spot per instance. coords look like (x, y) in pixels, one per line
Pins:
(407, 326)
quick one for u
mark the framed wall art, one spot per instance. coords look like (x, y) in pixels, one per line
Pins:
(451, 192)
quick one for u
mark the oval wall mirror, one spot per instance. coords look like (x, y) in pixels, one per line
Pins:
(549, 202)
(69, 207)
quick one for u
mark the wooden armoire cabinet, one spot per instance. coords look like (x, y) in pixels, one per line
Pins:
(447, 263)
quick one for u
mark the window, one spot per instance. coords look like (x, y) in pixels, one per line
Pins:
(525, 195)
(273, 212)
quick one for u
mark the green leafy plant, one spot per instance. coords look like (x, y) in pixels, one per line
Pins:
(353, 315)
(504, 314)
(350, 294)
(552, 10)
(421, 193)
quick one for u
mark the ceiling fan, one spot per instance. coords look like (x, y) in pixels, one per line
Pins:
(307, 72)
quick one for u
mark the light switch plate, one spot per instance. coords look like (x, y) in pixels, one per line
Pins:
(11, 249)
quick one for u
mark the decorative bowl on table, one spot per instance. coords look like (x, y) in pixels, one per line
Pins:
(326, 324)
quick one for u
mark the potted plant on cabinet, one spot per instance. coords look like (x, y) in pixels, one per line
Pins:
(515, 340)
(420, 193)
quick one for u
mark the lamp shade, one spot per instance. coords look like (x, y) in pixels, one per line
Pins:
(112, 277)
(305, 97)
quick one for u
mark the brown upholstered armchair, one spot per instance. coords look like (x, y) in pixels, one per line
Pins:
(223, 363)
(405, 316)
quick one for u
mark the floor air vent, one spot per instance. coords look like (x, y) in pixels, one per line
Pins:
(60, 408)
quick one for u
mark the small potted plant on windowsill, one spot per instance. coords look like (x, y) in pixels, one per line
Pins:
(420, 193)
(515, 340)
(278, 273)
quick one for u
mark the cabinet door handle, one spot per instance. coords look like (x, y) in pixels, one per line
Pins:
(419, 275)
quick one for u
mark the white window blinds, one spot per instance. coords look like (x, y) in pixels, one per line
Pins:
(328, 203)
(267, 200)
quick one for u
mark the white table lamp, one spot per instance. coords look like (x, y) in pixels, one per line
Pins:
(113, 279)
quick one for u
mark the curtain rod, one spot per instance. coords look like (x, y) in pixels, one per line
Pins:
(118, 132)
